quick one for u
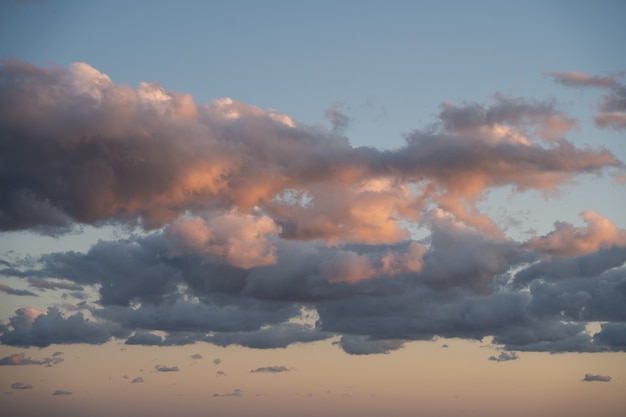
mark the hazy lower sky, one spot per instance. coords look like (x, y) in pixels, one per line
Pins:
(342, 208)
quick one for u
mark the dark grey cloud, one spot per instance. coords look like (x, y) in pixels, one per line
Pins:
(12, 291)
(596, 378)
(275, 369)
(144, 338)
(62, 392)
(21, 385)
(504, 357)
(279, 336)
(366, 345)
(164, 368)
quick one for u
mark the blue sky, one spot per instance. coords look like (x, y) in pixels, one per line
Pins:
(198, 190)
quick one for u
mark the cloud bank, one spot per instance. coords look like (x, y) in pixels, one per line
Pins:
(255, 230)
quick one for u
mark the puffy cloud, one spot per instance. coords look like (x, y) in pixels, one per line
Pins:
(44, 329)
(164, 368)
(504, 357)
(259, 231)
(599, 378)
(21, 385)
(271, 369)
(568, 240)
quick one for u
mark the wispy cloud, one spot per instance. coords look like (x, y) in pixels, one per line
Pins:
(137, 380)
(62, 392)
(235, 393)
(12, 291)
(21, 385)
(271, 369)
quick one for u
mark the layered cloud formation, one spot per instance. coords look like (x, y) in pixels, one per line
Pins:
(255, 230)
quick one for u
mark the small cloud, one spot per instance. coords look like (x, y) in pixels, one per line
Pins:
(62, 392)
(220, 373)
(55, 354)
(137, 380)
(504, 356)
(217, 361)
(444, 345)
(164, 368)
(271, 369)
(236, 393)
(196, 356)
(598, 378)
(17, 359)
(21, 385)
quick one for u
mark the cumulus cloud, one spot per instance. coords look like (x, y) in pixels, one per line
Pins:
(597, 378)
(271, 369)
(21, 385)
(259, 231)
(568, 240)
(164, 368)
(504, 357)
(62, 392)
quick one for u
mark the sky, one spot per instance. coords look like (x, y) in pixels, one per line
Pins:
(342, 208)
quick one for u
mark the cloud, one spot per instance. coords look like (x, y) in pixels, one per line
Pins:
(220, 373)
(578, 79)
(21, 385)
(568, 240)
(144, 338)
(235, 393)
(196, 356)
(338, 119)
(598, 378)
(256, 230)
(137, 380)
(612, 113)
(12, 291)
(217, 361)
(164, 368)
(271, 369)
(36, 328)
(17, 359)
(62, 392)
(504, 357)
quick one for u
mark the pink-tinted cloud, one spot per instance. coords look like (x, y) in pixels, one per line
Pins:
(569, 240)
(578, 79)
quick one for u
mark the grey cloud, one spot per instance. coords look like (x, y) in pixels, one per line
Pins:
(279, 336)
(365, 345)
(12, 291)
(53, 327)
(235, 393)
(196, 356)
(52, 285)
(144, 338)
(598, 378)
(164, 368)
(217, 361)
(339, 120)
(271, 369)
(62, 392)
(504, 357)
(21, 385)
(220, 373)
(613, 335)
(137, 380)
